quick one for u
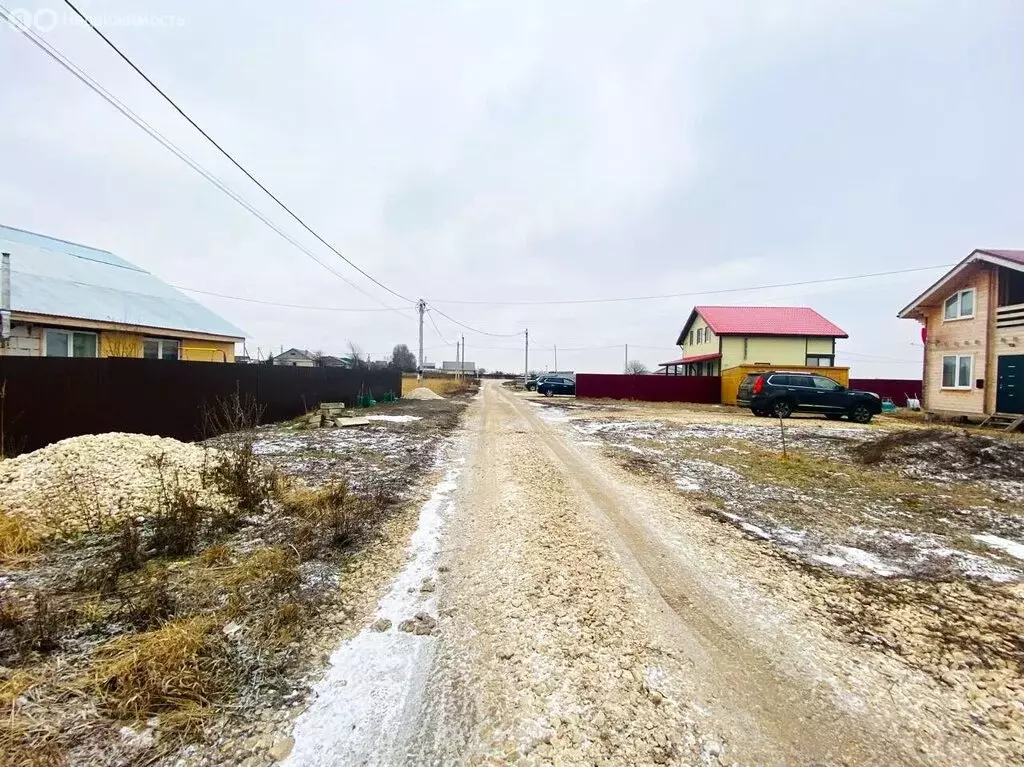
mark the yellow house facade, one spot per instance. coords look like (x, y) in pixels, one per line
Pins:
(70, 300)
(728, 341)
(973, 332)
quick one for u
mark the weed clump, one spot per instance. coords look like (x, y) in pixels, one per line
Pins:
(331, 517)
(176, 670)
(18, 536)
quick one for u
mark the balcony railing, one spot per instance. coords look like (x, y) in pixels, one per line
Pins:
(1008, 317)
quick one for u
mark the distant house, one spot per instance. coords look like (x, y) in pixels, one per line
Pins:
(327, 361)
(459, 367)
(70, 300)
(717, 338)
(296, 358)
(973, 334)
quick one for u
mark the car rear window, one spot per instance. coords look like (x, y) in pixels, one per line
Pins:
(779, 380)
(749, 380)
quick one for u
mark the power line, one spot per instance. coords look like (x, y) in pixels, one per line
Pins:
(226, 154)
(93, 85)
(438, 330)
(696, 292)
(475, 330)
(279, 303)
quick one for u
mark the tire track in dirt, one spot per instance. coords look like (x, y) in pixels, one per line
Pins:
(769, 717)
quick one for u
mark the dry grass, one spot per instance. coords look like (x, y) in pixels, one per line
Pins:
(25, 741)
(177, 671)
(331, 517)
(18, 537)
(215, 556)
(443, 386)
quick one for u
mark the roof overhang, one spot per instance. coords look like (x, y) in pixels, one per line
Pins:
(686, 327)
(975, 256)
(121, 327)
(681, 341)
(688, 360)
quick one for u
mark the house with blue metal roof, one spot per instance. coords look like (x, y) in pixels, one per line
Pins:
(70, 300)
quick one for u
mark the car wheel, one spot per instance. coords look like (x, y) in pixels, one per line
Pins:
(833, 416)
(549, 393)
(861, 414)
(760, 413)
(782, 409)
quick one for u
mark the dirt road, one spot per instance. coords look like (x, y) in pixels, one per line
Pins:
(588, 617)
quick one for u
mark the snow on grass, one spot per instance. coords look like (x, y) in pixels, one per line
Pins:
(1014, 549)
(394, 418)
(366, 703)
(848, 558)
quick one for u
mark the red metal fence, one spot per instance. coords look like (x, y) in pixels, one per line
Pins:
(651, 388)
(898, 389)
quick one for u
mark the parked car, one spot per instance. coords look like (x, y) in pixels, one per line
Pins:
(781, 393)
(553, 385)
(531, 383)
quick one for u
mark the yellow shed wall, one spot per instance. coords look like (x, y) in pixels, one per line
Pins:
(732, 377)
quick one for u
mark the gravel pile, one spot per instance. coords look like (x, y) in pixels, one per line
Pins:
(422, 392)
(93, 481)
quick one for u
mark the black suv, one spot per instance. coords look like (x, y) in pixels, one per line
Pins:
(781, 394)
(552, 385)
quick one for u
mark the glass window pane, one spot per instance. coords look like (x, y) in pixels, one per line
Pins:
(83, 345)
(951, 307)
(964, 377)
(827, 384)
(949, 371)
(151, 349)
(967, 303)
(57, 343)
(169, 350)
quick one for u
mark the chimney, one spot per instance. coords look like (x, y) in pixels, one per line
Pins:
(5, 298)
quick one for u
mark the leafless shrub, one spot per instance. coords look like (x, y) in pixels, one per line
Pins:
(36, 627)
(178, 518)
(231, 414)
(241, 476)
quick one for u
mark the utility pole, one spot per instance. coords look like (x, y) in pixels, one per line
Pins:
(526, 367)
(625, 365)
(556, 358)
(422, 306)
(462, 366)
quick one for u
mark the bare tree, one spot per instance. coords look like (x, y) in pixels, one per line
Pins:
(636, 368)
(355, 353)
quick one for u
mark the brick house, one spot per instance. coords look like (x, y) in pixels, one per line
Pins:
(973, 334)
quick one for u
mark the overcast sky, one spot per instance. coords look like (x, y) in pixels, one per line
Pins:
(532, 150)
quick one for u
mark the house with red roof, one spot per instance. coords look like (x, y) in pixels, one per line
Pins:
(973, 318)
(719, 338)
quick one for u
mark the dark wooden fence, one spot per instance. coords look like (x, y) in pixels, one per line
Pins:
(650, 388)
(898, 389)
(48, 399)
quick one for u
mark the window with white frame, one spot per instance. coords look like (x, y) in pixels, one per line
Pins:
(959, 306)
(957, 370)
(160, 348)
(70, 343)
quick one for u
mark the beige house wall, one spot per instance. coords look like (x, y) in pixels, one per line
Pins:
(962, 337)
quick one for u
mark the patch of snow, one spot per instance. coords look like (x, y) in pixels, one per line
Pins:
(753, 529)
(1014, 549)
(828, 559)
(686, 484)
(394, 418)
(366, 703)
(868, 561)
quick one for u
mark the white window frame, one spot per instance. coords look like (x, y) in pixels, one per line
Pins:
(71, 341)
(160, 346)
(959, 297)
(956, 377)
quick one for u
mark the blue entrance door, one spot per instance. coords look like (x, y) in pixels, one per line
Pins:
(1010, 394)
